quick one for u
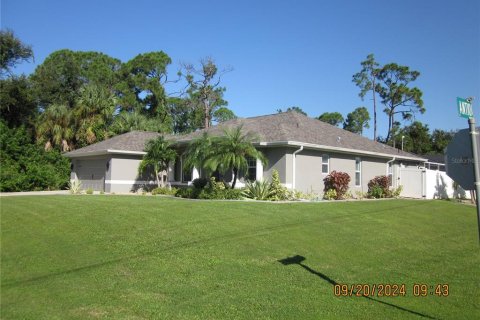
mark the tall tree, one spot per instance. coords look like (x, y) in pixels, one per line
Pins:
(357, 120)
(185, 118)
(440, 139)
(417, 138)
(232, 153)
(12, 52)
(223, 114)
(397, 96)
(141, 85)
(94, 113)
(17, 104)
(55, 129)
(204, 89)
(63, 73)
(366, 81)
(127, 121)
(333, 118)
(294, 108)
(159, 153)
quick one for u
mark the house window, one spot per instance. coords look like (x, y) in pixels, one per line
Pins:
(325, 163)
(390, 174)
(358, 171)
(252, 169)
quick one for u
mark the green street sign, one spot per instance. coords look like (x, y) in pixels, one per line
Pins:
(465, 108)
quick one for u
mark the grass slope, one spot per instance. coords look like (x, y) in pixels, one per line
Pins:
(127, 257)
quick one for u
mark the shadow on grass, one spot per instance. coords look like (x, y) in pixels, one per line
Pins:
(298, 261)
(213, 240)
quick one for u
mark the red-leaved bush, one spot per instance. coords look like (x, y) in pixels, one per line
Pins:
(338, 181)
(379, 182)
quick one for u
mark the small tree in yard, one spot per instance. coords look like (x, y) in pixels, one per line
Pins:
(232, 152)
(159, 154)
(337, 181)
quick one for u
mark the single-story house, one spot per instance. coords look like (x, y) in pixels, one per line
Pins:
(302, 149)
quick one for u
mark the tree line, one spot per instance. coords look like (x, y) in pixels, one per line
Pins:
(76, 98)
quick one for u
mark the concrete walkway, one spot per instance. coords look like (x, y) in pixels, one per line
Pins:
(33, 193)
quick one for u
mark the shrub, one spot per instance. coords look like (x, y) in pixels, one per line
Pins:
(164, 191)
(396, 192)
(89, 191)
(200, 183)
(190, 193)
(212, 190)
(218, 190)
(330, 194)
(376, 192)
(337, 181)
(26, 166)
(378, 187)
(277, 191)
(75, 186)
(258, 190)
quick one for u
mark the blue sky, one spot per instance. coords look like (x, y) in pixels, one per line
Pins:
(284, 53)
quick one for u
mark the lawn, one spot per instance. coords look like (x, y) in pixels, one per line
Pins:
(143, 257)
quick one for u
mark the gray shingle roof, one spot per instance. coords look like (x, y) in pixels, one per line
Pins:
(294, 126)
(133, 141)
(281, 128)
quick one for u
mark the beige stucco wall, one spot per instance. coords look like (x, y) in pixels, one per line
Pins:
(309, 176)
(125, 177)
(276, 161)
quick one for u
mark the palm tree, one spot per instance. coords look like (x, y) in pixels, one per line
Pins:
(198, 151)
(54, 128)
(232, 152)
(159, 153)
(94, 113)
(127, 121)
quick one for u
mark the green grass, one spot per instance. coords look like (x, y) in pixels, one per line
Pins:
(133, 257)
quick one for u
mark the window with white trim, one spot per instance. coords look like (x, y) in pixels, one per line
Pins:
(358, 171)
(325, 163)
(252, 169)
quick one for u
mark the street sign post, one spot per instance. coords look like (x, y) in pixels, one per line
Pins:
(463, 175)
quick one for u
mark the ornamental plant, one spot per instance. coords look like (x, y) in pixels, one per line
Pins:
(379, 187)
(337, 181)
(277, 191)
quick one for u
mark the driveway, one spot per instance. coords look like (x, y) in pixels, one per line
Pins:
(33, 193)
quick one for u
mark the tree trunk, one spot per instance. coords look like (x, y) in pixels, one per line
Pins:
(235, 172)
(390, 125)
(206, 108)
(157, 178)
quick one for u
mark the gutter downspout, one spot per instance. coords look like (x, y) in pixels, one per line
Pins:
(294, 157)
(388, 162)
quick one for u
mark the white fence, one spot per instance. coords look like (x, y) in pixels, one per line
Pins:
(440, 186)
